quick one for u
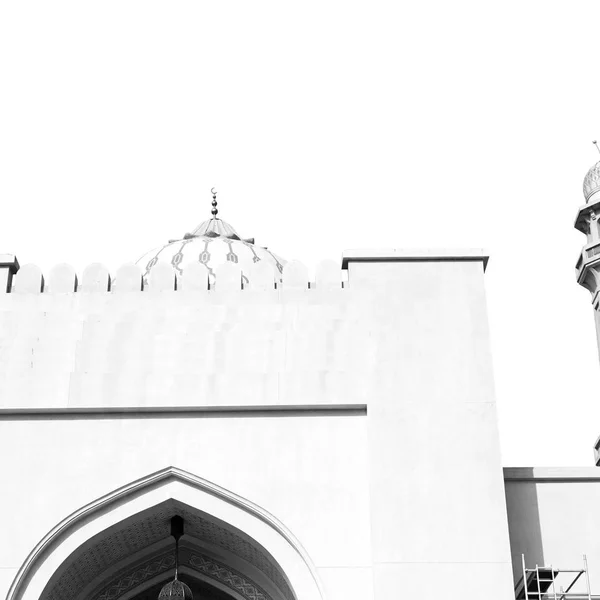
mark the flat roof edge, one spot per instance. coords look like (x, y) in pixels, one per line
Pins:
(415, 255)
(549, 474)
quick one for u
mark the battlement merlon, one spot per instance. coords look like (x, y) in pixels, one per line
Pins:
(9, 265)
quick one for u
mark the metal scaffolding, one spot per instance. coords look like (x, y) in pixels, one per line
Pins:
(549, 583)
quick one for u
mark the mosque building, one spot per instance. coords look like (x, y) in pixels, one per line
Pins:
(209, 424)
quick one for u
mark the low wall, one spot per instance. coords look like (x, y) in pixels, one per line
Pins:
(553, 519)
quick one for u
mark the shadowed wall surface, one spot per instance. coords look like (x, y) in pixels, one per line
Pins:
(201, 591)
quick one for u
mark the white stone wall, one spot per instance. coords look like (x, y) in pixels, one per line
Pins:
(308, 471)
(362, 416)
(437, 509)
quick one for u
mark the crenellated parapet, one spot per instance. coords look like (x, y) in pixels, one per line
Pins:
(96, 341)
(164, 277)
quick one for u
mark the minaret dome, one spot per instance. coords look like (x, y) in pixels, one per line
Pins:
(591, 183)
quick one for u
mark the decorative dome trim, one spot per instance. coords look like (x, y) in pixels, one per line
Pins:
(214, 228)
(210, 252)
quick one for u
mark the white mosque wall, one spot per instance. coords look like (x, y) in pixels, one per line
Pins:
(361, 415)
(163, 277)
(308, 471)
(554, 519)
(438, 513)
(129, 349)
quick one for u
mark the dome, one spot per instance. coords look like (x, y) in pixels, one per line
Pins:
(176, 590)
(212, 244)
(591, 183)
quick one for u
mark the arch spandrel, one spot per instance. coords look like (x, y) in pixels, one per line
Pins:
(223, 531)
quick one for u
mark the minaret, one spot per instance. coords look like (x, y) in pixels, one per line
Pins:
(588, 265)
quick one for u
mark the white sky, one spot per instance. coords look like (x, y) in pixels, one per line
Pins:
(326, 125)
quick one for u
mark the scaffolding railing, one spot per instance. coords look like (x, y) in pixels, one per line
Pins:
(550, 583)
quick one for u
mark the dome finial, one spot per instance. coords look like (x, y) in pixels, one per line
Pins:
(596, 144)
(214, 210)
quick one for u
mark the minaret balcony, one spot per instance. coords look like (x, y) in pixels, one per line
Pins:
(582, 222)
(588, 267)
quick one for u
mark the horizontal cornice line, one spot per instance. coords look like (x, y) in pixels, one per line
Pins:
(186, 411)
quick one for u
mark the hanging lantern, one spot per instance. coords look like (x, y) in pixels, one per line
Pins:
(176, 590)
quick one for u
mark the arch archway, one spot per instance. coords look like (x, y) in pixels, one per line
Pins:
(119, 547)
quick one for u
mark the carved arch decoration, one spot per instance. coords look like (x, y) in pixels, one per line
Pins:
(234, 545)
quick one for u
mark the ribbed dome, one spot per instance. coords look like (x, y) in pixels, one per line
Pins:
(591, 183)
(212, 244)
(175, 590)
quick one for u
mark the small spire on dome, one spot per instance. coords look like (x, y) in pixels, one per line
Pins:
(215, 210)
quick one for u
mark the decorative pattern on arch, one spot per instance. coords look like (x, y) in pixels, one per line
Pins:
(229, 577)
(210, 505)
(119, 554)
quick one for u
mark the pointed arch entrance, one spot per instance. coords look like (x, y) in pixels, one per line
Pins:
(119, 547)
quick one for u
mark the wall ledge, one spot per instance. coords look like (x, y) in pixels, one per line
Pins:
(316, 410)
(551, 474)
